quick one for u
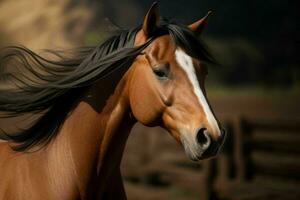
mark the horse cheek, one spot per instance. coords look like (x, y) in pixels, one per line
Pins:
(145, 102)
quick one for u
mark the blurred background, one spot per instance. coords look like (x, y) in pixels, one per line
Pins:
(254, 92)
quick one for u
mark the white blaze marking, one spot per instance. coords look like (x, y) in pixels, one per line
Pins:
(186, 63)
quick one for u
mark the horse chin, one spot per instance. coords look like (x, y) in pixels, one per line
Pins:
(194, 157)
(194, 154)
(199, 157)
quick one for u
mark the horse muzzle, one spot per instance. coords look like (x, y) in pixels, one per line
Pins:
(203, 146)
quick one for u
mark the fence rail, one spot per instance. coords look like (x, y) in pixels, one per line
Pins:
(248, 155)
(253, 148)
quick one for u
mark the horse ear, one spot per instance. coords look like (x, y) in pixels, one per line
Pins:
(198, 26)
(151, 20)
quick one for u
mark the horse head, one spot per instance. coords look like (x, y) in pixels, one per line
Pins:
(166, 88)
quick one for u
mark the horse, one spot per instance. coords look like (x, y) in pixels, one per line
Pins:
(88, 101)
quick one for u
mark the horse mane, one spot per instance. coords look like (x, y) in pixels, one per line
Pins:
(53, 87)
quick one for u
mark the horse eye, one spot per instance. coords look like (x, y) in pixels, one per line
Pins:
(161, 72)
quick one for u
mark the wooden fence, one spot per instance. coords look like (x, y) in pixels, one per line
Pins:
(258, 148)
(253, 149)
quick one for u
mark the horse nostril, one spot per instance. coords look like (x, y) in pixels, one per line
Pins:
(202, 137)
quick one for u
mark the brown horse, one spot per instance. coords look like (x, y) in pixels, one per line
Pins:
(153, 74)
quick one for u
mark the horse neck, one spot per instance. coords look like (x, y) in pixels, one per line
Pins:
(96, 133)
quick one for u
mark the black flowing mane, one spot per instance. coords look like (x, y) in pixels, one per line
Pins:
(53, 87)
